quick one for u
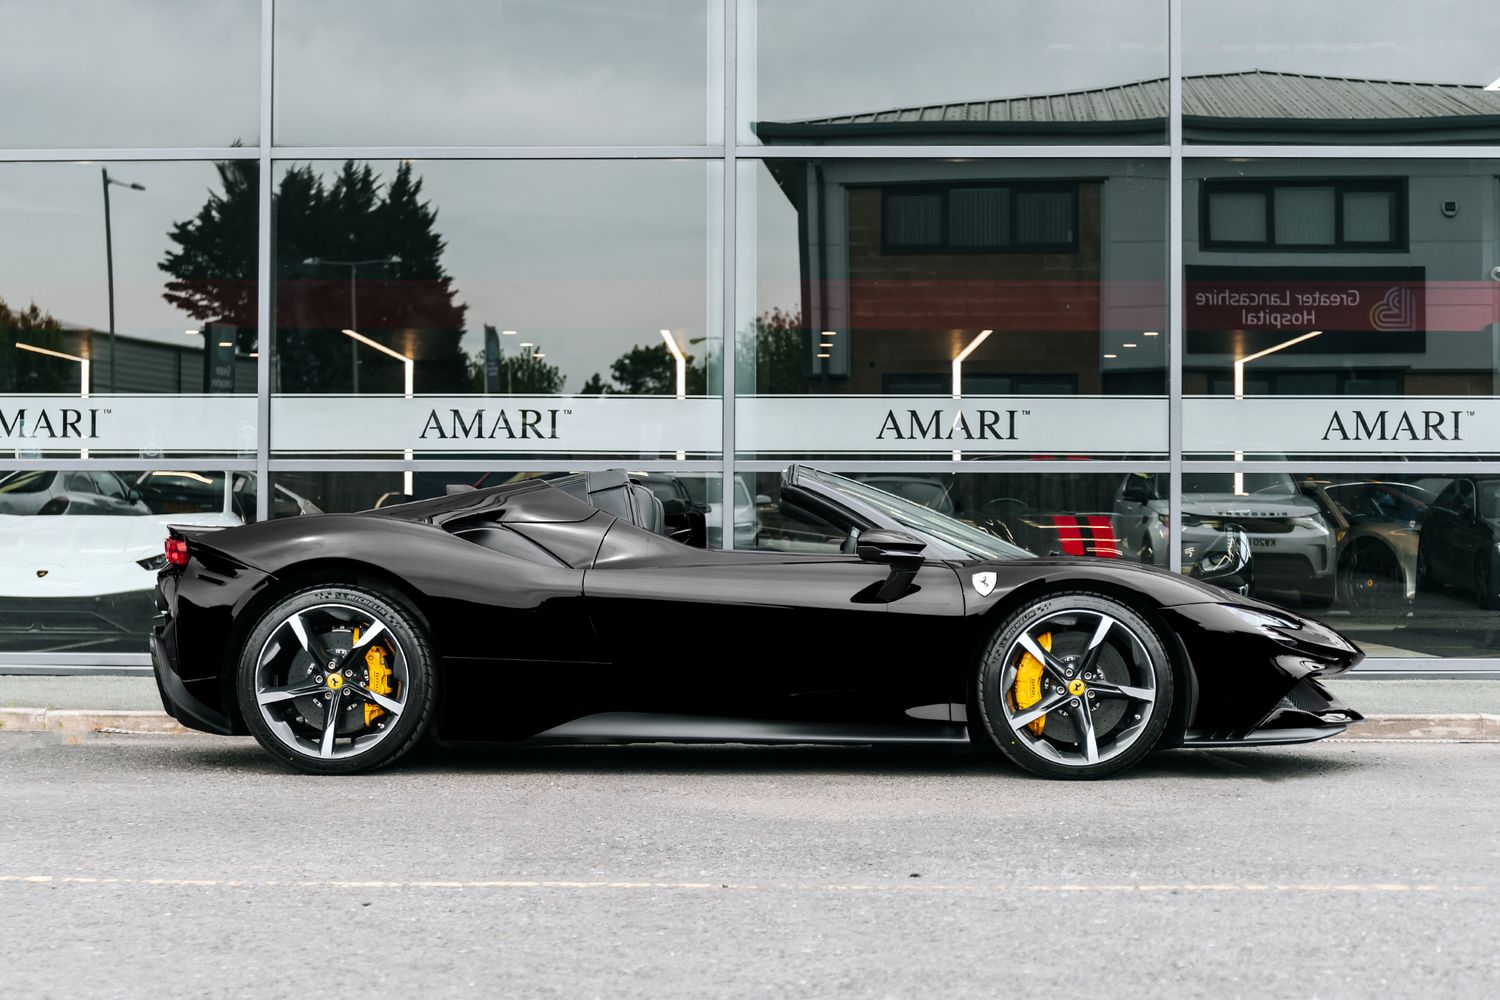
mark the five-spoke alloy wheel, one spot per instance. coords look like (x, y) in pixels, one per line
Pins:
(1075, 685)
(337, 679)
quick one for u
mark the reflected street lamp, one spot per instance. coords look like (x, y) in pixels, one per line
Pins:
(408, 385)
(83, 375)
(958, 373)
(109, 262)
(1239, 390)
(681, 364)
(353, 266)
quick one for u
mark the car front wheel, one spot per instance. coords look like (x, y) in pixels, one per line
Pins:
(1075, 685)
(337, 679)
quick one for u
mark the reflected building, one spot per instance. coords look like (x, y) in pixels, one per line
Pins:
(969, 250)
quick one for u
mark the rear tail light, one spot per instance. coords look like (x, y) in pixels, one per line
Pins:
(177, 551)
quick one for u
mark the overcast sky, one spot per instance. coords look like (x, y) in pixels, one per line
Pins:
(597, 255)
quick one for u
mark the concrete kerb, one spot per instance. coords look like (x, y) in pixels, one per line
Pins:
(72, 720)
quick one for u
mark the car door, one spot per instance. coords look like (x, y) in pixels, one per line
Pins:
(1470, 535)
(116, 496)
(1440, 530)
(765, 636)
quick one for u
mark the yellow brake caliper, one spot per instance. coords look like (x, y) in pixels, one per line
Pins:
(380, 677)
(1028, 690)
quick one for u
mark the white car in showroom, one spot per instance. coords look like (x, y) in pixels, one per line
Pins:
(76, 572)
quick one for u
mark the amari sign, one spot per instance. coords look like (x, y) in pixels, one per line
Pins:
(647, 426)
(1303, 425)
(978, 425)
(145, 425)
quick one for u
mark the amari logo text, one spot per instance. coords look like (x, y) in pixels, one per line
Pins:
(938, 425)
(481, 425)
(62, 423)
(1396, 425)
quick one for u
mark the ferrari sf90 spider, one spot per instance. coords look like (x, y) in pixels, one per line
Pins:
(581, 610)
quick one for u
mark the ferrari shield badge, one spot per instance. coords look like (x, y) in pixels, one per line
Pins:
(984, 583)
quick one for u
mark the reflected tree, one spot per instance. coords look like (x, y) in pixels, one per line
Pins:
(27, 371)
(520, 374)
(399, 294)
(778, 352)
(649, 371)
(212, 263)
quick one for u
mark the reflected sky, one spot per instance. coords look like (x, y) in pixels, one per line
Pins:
(493, 72)
(595, 257)
(123, 73)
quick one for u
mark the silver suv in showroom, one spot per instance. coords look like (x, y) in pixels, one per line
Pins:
(1293, 550)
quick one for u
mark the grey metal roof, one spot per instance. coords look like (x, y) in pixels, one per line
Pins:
(1256, 96)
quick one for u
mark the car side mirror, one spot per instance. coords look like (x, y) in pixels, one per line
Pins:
(896, 549)
(762, 500)
(1136, 493)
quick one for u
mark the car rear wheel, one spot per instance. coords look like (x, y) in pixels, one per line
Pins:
(1484, 583)
(337, 680)
(1425, 582)
(1370, 579)
(1075, 685)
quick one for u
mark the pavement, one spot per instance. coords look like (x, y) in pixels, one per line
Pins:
(195, 866)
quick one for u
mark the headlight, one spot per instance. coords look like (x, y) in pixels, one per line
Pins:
(1262, 619)
(152, 563)
(1311, 521)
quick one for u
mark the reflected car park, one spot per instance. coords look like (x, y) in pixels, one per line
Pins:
(1377, 525)
(1460, 541)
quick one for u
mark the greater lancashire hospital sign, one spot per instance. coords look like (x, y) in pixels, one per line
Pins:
(1354, 300)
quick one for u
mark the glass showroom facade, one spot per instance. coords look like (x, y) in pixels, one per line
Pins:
(1192, 284)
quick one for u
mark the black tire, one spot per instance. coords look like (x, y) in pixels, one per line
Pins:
(402, 635)
(1145, 663)
(1425, 583)
(1370, 579)
(1484, 583)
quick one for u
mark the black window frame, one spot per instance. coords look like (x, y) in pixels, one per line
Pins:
(945, 190)
(1268, 186)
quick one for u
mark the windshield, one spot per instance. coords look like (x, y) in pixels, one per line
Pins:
(1253, 483)
(972, 541)
(26, 482)
(1386, 502)
(1489, 498)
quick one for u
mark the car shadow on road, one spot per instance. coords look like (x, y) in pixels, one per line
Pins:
(1265, 764)
(1260, 763)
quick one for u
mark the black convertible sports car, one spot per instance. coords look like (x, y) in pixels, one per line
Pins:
(579, 610)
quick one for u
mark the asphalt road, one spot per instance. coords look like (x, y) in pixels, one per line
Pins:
(194, 867)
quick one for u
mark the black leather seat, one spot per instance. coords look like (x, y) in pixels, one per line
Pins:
(648, 510)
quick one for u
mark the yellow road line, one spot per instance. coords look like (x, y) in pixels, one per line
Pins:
(503, 884)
